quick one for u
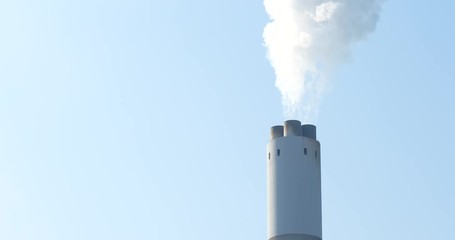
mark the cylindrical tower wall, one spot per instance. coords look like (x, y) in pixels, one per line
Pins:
(294, 187)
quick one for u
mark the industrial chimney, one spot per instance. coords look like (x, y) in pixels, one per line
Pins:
(294, 183)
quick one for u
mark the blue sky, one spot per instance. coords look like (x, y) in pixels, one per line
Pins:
(149, 119)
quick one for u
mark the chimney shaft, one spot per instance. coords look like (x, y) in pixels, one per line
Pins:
(294, 183)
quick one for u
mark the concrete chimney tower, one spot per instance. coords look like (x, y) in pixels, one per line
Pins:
(294, 183)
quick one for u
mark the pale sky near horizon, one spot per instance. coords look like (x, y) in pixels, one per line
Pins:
(149, 120)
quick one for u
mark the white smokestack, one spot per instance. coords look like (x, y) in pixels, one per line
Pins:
(305, 41)
(294, 183)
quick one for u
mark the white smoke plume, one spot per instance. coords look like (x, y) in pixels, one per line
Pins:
(306, 39)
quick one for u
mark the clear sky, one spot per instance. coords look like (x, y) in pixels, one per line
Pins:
(149, 120)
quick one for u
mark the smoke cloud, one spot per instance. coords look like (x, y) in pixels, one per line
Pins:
(306, 39)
